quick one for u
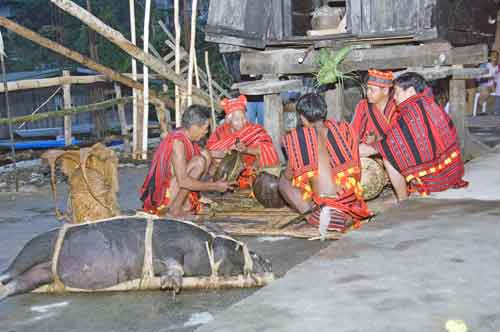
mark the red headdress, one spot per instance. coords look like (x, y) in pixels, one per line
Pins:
(235, 104)
(382, 79)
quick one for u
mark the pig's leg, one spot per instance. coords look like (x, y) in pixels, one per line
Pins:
(37, 251)
(36, 276)
(170, 272)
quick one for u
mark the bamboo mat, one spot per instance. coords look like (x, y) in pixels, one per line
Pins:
(239, 214)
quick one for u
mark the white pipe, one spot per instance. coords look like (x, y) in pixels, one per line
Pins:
(147, 14)
(134, 77)
(192, 52)
(177, 27)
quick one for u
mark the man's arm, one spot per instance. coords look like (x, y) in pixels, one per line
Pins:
(183, 178)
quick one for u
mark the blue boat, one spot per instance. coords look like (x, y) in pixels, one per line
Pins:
(36, 144)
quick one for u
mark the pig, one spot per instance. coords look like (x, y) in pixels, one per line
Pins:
(100, 255)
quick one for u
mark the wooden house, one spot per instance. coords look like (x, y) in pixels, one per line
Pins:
(279, 39)
(267, 23)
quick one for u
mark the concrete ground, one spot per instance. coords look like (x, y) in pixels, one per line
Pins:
(412, 269)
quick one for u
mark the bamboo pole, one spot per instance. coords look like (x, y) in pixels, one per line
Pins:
(210, 91)
(119, 40)
(70, 111)
(253, 280)
(177, 26)
(57, 81)
(135, 148)
(192, 52)
(7, 107)
(203, 75)
(145, 70)
(122, 118)
(77, 57)
(67, 105)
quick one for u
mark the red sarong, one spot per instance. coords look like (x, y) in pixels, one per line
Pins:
(369, 119)
(423, 146)
(253, 136)
(155, 190)
(301, 146)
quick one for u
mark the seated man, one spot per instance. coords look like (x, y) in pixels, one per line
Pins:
(374, 115)
(237, 133)
(323, 167)
(422, 147)
(172, 183)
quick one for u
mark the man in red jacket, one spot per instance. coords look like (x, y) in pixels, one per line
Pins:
(237, 133)
(421, 152)
(173, 180)
(378, 112)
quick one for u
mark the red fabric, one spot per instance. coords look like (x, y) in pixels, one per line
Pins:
(382, 79)
(301, 146)
(155, 188)
(346, 208)
(235, 104)
(369, 119)
(423, 146)
(253, 136)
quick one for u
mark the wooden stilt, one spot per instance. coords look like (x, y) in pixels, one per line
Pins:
(458, 107)
(135, 148)
(122, 118)
(67, 104)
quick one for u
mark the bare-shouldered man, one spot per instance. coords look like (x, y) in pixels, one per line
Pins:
(173, 180)
(323, 167)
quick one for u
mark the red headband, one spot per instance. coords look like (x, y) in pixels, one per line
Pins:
(235, 104)
(380, 78)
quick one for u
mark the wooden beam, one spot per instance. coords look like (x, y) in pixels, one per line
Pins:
(267, 86)
(439, 72)
(119, 40)
(77, 57)
(70, 111)
(288, 61)
(458, 107)
(67, 105)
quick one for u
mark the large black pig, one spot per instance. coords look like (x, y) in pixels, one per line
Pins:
(104, 254)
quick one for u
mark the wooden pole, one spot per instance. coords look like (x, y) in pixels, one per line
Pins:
(135, 148)
(177, 26)
(273, 119)
(210, 91)
(145, 69)
(122, 118)
(7, 107)
(108, 104)
(119, 40)
(77, 57)
(96, 93)
(67, 105)
(192, 53)
(458, 106)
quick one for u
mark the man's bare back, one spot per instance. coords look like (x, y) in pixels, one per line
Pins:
(323, 184)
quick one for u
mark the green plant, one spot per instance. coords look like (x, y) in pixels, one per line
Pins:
(329, 63)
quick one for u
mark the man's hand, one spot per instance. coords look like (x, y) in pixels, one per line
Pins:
(240, 147)
(370, 137)
(223, 186)
(366, 150)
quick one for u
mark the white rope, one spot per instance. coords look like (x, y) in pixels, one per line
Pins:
(42, 105)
